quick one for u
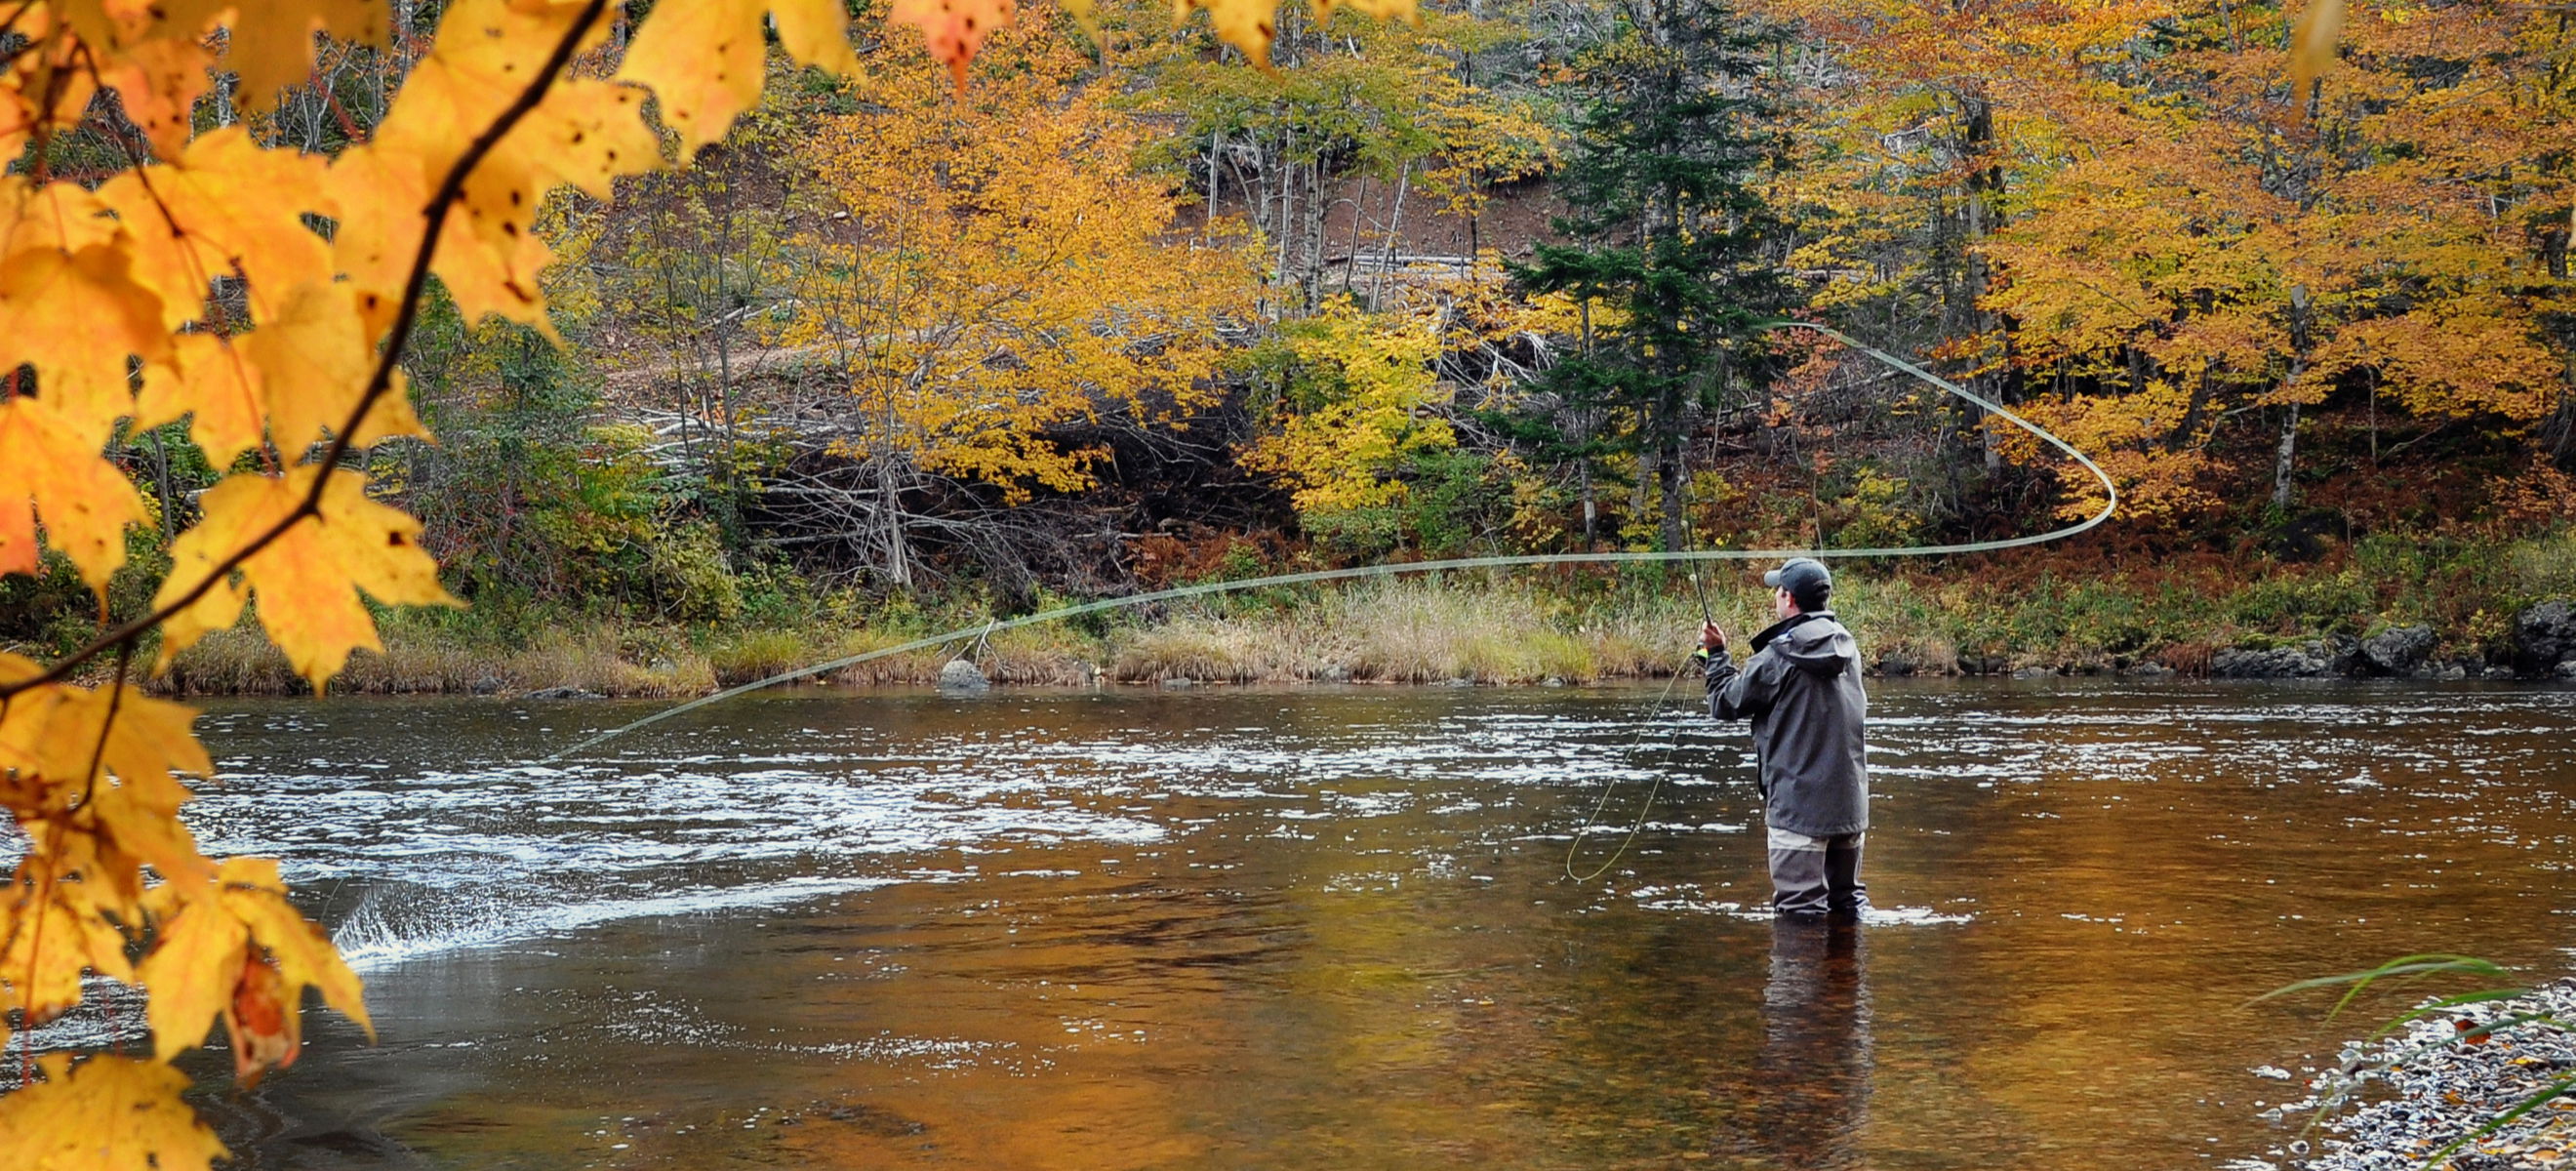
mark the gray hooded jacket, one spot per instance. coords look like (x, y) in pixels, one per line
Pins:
(1802, 691)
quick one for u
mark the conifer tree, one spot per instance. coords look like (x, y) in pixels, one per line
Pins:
(1668, 234)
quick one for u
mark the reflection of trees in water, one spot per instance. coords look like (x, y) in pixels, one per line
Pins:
(1808, 1099)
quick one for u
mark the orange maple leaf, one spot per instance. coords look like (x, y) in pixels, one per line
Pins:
(955, 29)
(54, 471)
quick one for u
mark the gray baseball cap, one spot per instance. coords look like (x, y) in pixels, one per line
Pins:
(1801, 576)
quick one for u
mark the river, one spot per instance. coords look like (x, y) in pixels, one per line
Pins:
(1332, 927)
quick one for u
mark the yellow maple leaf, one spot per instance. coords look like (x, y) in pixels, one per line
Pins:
(62, 215)
(583, 132)
(54, 465)
(2312, 47)
(18, 551)
(704, 62)
(376, 196)
(309, 578)
(207, 381)
(130, 807)
(315, 356)
(1251, 25)
(49, 943)
(815, 32)
(954, 29)
(377, 192)
(197, 948)
(270, 43)
(56, 74)
(108, 1113)
(78, 317)
(158, 82)
(227, 205)
(254, 894)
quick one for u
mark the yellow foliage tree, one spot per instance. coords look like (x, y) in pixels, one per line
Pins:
(194, 284)
(1360, 399)
(1004, 271)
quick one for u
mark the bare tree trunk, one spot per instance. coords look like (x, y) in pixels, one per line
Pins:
(1637, 491)
(2281, 462)
(1394, 221)
(1591, 504)
(1669, 479)
(1315, 209)
(1351, 268)
(1985, 185)
(1287, 203)
(898, 554)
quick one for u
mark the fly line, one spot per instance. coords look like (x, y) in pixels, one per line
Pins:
(2110, 502)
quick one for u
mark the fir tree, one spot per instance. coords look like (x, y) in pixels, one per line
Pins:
(1668, 233)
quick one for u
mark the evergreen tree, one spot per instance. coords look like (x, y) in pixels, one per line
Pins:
(1667, 232)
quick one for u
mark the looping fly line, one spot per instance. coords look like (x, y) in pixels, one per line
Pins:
(2110, 502)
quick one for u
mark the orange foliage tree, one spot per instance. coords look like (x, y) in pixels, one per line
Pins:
(2160, 229)
(194, 283)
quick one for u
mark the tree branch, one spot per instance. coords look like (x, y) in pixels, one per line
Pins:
(435, 216)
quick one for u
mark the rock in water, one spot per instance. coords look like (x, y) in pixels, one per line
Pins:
(2397, 650)
(960, 677)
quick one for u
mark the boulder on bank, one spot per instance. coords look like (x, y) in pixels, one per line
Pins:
(2308, 660)
(961, 677)
(2544, 638)
(2398, 650)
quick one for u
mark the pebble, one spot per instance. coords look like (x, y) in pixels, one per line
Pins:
(2386, 1104)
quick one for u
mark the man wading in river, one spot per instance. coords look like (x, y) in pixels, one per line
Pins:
(1802, 691)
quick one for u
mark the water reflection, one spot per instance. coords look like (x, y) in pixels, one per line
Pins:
(1809, 1095)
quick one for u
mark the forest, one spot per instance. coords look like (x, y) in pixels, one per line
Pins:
(898, 350)
(1119, 312)
(568, 349)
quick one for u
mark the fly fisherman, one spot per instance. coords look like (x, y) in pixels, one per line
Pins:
(1802, 691)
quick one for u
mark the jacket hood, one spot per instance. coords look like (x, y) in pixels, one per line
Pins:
(1814, 643)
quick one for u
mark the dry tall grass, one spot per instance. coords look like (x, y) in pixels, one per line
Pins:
(242, 662)
(1416, 631)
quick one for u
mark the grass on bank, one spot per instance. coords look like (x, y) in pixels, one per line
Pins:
(1504, 628)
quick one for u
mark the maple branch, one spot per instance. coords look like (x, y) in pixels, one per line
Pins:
(54, 859)
(449, 190)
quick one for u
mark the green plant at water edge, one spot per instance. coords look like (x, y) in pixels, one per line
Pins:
(2407, 970)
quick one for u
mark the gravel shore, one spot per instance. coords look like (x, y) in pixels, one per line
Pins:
(2387, 1104)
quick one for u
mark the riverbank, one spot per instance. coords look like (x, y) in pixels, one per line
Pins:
(2437, 1080)
(2413, 608)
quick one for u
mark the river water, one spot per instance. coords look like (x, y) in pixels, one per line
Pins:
(1332, 927)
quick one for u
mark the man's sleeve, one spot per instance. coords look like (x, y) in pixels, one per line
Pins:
(1739, 695)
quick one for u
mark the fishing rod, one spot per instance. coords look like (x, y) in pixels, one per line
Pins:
(1691, 557)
